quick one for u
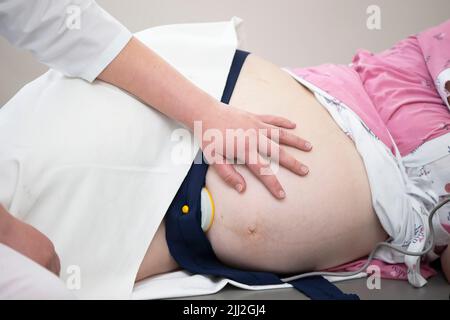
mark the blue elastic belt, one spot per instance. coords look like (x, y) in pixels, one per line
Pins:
(189, 245)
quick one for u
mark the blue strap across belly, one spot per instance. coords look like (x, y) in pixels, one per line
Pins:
(189, 245)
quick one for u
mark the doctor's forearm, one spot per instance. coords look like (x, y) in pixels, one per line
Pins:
(140, 71)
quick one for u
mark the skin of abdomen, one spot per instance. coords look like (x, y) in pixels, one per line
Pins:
(327, 217)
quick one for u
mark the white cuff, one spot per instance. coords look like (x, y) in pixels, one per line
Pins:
(441, 80)
(104, 59)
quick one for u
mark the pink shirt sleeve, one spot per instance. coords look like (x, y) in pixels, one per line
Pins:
(435, 45)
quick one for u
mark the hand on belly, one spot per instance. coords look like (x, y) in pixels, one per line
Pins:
(326, 218)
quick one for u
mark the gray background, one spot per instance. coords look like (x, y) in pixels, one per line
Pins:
(287, 32)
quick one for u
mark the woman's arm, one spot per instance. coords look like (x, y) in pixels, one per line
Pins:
(140, 71)
(28, 241)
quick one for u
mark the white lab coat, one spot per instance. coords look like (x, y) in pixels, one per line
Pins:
(87, 164)
(80, 39)
(95, 169)
(76, 37)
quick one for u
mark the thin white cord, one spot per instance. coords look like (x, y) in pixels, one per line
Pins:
(372, 254)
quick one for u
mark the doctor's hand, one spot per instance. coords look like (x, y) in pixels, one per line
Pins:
(28, 241)
(232, 134)
(140, 71)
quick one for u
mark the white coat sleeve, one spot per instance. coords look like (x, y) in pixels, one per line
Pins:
(75, 37)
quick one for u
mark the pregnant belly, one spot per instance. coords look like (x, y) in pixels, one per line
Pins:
(326, 218)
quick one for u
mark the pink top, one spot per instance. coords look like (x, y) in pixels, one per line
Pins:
(402, 85)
